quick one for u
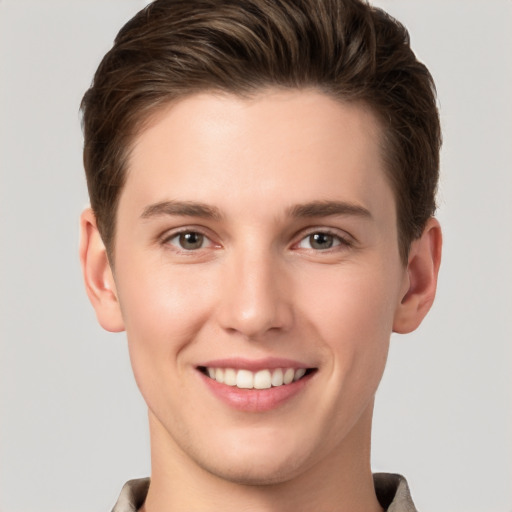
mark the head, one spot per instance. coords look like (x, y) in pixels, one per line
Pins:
(346, 49)
(262, 178)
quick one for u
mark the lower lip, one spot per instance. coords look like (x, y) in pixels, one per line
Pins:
(255, 400)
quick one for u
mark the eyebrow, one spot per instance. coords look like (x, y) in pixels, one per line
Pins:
(304, 210)
(328, 208)
(183, 208)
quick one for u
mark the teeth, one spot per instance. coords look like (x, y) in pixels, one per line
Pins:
(288, 376)
(299, 374)
(229, 377)
(262, 379)
(219, 375)
(277, 377)
(244, 379)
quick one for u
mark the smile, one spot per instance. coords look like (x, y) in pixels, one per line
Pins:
(256, 386)
(261, 379)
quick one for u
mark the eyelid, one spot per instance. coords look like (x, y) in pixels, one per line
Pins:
(346, 240)
(168, 235)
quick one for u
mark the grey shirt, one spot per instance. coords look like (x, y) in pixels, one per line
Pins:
(392, 492)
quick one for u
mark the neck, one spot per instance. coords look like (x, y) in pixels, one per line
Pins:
(340, 482)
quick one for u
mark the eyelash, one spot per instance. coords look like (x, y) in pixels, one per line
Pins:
(339, 240)
(186, 231)
(342, 241)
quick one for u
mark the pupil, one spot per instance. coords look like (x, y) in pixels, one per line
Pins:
(191, 240)
(321, 241)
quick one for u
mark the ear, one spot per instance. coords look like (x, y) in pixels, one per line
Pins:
(420, 280)
(98, 276)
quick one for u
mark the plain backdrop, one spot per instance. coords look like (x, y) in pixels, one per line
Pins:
(73, 426)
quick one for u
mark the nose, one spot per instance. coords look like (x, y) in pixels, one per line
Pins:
(256, 295)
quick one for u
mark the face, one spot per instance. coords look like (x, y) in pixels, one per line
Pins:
(258, 276)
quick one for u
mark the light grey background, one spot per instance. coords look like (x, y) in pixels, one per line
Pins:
(73, 427)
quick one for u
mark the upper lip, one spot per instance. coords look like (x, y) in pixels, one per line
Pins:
(269, 363)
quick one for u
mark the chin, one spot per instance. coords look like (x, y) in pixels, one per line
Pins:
(248, 473)
(259, 456)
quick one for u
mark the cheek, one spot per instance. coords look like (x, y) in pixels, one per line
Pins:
(354, 316)
(155, 308)
(163, 310)
(158, 297)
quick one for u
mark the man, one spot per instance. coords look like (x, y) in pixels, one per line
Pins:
(262, 177)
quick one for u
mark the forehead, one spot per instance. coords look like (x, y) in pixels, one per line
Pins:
(275, 145)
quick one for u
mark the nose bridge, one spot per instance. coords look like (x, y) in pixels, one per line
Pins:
(254, 299)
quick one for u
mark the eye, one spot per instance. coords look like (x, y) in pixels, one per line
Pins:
(321, 241)
(189, 241)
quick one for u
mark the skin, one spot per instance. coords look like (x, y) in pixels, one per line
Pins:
(256, 287)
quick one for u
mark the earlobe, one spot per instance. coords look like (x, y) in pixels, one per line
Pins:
(421, 279)
(97, 274)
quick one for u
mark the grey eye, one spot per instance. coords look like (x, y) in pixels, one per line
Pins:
(187, 240)
(321, 241)
(190, 241)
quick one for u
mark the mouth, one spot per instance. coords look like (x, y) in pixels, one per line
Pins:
(265, 378)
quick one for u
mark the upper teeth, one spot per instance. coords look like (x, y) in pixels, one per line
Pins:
(262, 379)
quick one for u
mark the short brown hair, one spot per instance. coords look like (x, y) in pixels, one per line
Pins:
(344, 48)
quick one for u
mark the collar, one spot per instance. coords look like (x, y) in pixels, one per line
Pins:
(391, 489)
